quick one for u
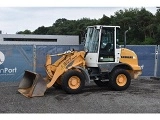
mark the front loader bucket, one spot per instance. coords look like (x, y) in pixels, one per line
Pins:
(32, 85)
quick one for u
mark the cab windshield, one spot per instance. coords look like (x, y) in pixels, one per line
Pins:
(92, 40)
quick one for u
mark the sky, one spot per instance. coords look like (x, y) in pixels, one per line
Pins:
(14, 18)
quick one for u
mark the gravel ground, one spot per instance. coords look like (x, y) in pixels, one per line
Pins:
(143, 96)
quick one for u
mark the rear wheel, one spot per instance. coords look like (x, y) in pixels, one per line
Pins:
(120, 79)
(73, 81)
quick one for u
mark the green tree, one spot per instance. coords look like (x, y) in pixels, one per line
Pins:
(41, 30)
(24, 32)
(126, 18)
(145, 27)
(105, 20)
(157, 23)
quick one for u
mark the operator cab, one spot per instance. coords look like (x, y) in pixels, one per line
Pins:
(101, 45)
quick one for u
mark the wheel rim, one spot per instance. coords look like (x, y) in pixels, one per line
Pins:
(74, 82)
(121, 80)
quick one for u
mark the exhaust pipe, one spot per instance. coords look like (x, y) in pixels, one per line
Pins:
(32, 85)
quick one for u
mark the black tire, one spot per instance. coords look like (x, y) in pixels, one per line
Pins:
(67, 79)
(101, 83)
(57, 86)
(120, 79)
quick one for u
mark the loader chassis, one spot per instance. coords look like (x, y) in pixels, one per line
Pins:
(102, 61)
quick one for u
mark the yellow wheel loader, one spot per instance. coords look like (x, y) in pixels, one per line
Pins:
(102, 61)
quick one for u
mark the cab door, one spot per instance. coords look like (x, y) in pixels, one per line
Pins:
(107, 45)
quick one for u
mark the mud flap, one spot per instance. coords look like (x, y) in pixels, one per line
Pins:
(32, 85)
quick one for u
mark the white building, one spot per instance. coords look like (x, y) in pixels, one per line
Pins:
(26, 39)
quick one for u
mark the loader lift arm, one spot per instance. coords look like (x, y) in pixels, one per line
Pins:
(67, 61)
(70, 61)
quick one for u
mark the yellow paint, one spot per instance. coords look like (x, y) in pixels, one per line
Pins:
(66, 62)
(131, 59)
(74, 82)
(121, 80)
(51, 68)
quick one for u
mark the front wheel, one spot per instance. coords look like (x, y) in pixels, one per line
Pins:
(56, 85)
(120, 79)
(73, 81)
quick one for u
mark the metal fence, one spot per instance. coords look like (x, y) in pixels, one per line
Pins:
(15, 59)
(146, 58)
(157, 59)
